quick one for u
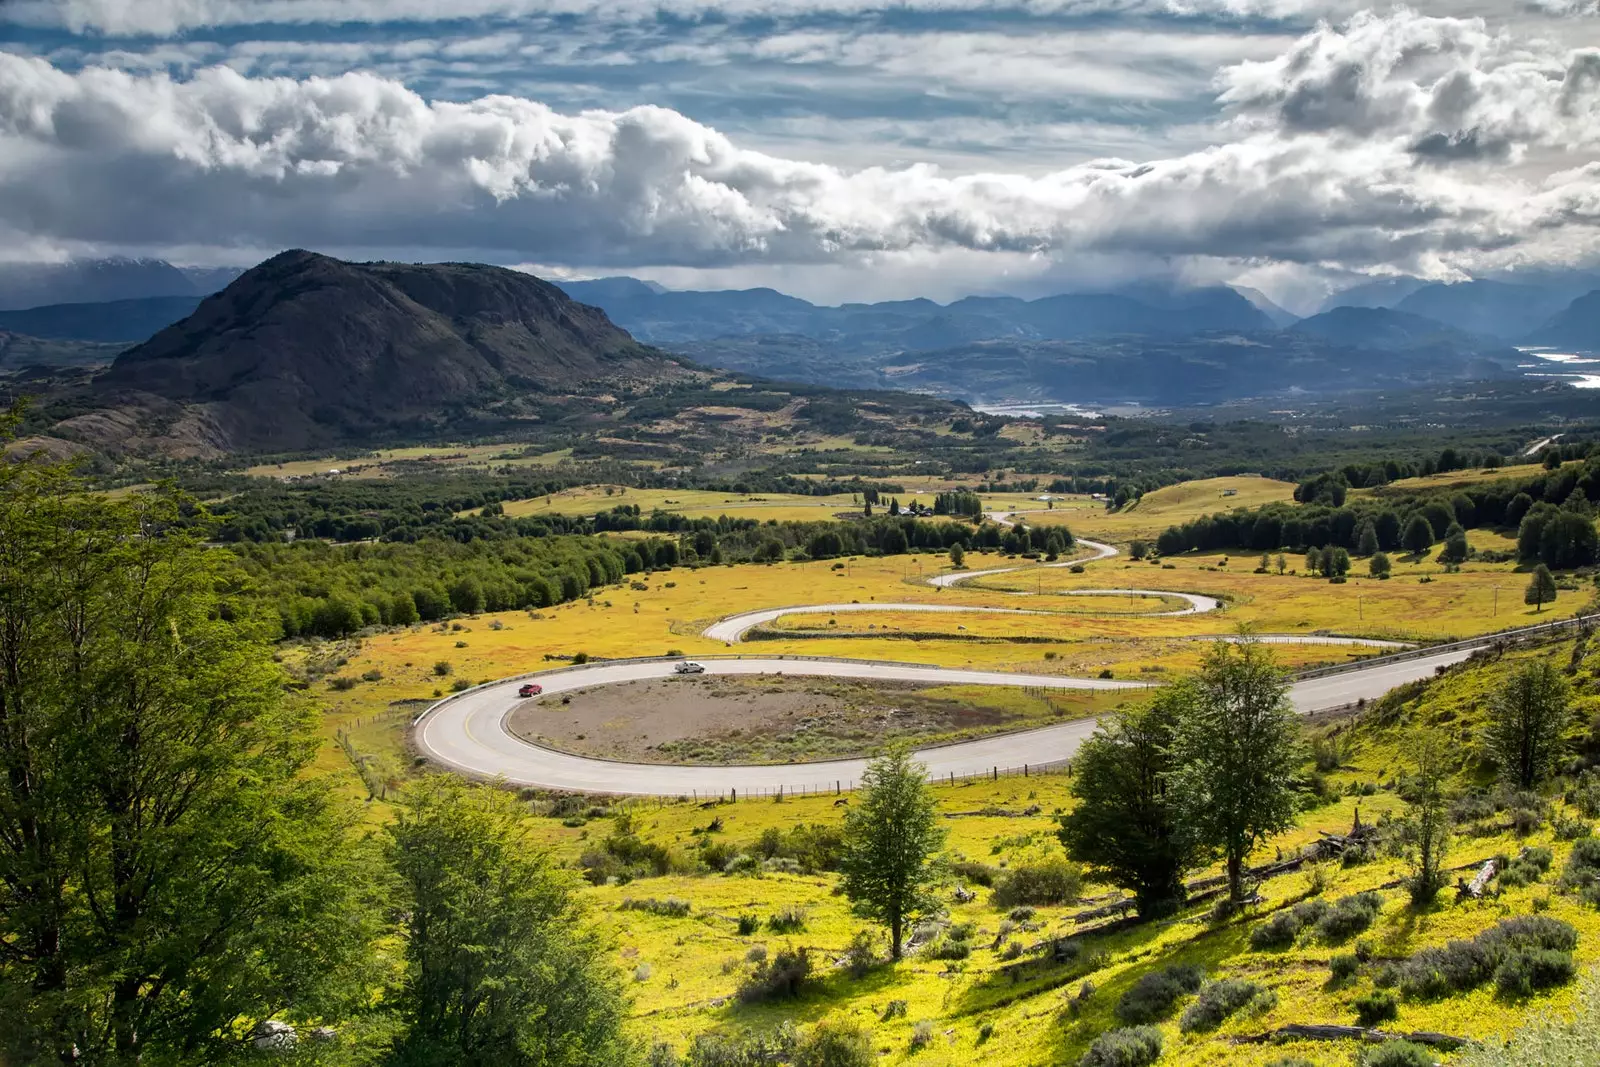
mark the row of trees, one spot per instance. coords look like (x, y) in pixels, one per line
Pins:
(1551, 512)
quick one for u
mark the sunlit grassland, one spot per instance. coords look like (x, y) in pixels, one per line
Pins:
(693, 503)
(695, 962)
(379, 464)
(1452, 479)
(1157, 510)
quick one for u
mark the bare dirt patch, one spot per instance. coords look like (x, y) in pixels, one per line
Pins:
(769, 719)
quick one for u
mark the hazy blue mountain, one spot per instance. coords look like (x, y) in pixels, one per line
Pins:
(114, 320)
(1381, 293)
(665, 317)
(1576, 326)
(1280, 317)
(1496, 309)
(1387, 329)
(92, 281)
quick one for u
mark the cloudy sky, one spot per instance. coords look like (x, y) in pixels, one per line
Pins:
(838, 149)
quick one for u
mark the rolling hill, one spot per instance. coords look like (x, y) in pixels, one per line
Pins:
(1577, 326)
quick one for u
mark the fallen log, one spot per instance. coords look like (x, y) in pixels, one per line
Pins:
(1479, 883)
(1337, 1032)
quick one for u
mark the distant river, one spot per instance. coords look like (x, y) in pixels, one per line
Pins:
(1581, 379)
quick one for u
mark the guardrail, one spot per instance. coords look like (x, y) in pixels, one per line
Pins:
(1481, 641)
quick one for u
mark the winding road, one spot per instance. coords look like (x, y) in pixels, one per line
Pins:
(467, 732)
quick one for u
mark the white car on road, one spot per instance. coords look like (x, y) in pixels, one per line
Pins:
(689, 668)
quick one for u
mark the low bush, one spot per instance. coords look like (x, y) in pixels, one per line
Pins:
(1136, 1046)
(921, 1034)
(1291, 1061)
(954, 943)
(1056, 880)
(743, 1049)
(1519, 945)
(1222, 999)
(1582, 872)
(788, 920)
(1281, 930)
(341, 683)
(781, 976)
(1348, 917)
(1376, 1007)
(1398, 1054)
(861, 955)
(1525, 970)
(836, 1043)
(1343, 967)
(895, 1009)
(1154, 995)
(748, 924)
(672, 907)
(973, 872)
(1526, 869)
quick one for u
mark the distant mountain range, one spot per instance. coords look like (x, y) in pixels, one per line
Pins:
(89, 281)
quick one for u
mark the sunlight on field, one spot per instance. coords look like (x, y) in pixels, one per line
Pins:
(1157, 510)
(381, 463)
(694, 503)
(1452, 479)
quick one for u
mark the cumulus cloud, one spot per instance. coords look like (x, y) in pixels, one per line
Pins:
(1359, 147)
(169, 17)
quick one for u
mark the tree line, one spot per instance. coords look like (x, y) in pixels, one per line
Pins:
(1551, 512)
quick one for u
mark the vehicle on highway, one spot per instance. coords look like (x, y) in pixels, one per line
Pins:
(689, 668)
(530, 690)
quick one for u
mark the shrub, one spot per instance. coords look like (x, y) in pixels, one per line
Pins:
(1156, 993)
(1582, 872)
(748, 924)
(973, 872)
(1516, 944)
(1284, 926)
(861, 955)
(1343, 967)
(921, 1034)
(1052, 881)
(1021, 915)
(642, 973)
(895, 1009)
(1350, 916)
(836, 1043)
(955, 943)
(672, 907)
(756, 954)
(1397, 1054)
(744, 1050)
(1135, 1046)
(1524, 970)
(1218, 1001)
(1291, 1061)
(781, 976)
(442, 668)
(460, 685)
(1376, 1007)
(341, 683)
(787, 920)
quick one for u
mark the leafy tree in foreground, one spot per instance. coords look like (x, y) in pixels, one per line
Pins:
(958, 556)
(500, 968)
(1541, 588)
(169, 874)
(1379, 566)
(1124, 822)
(1234, 749)
(1429, 814)
(1528, 721)
(890, 837)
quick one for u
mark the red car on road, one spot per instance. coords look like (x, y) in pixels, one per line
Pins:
(530, 690)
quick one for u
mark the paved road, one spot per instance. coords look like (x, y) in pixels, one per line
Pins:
(468, 732)
(1097, 551)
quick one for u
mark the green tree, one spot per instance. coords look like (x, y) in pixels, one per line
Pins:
(1234, 752)
(1313, 560)
(1456, 549)
(500, 967)
(1054, 545)
(1379, 566)
(891, 835)
(1418, 536)
(1282, 563)
(1541, 588)
(958, 556)
(1527, 723)
(1428, 811)
(1335, 562)
(170, 874)
(466, 596)
(1387, 525)
(1367, 539)
(1125, 822)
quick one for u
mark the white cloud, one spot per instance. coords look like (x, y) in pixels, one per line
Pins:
(1327, 168)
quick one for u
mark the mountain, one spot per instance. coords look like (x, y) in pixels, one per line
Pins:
(1577, 326)
(307, 351)
(1382, 293)
(1385, 329)
(114, 320)
(675, 317)
(1493, 308)
(1280, 317)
